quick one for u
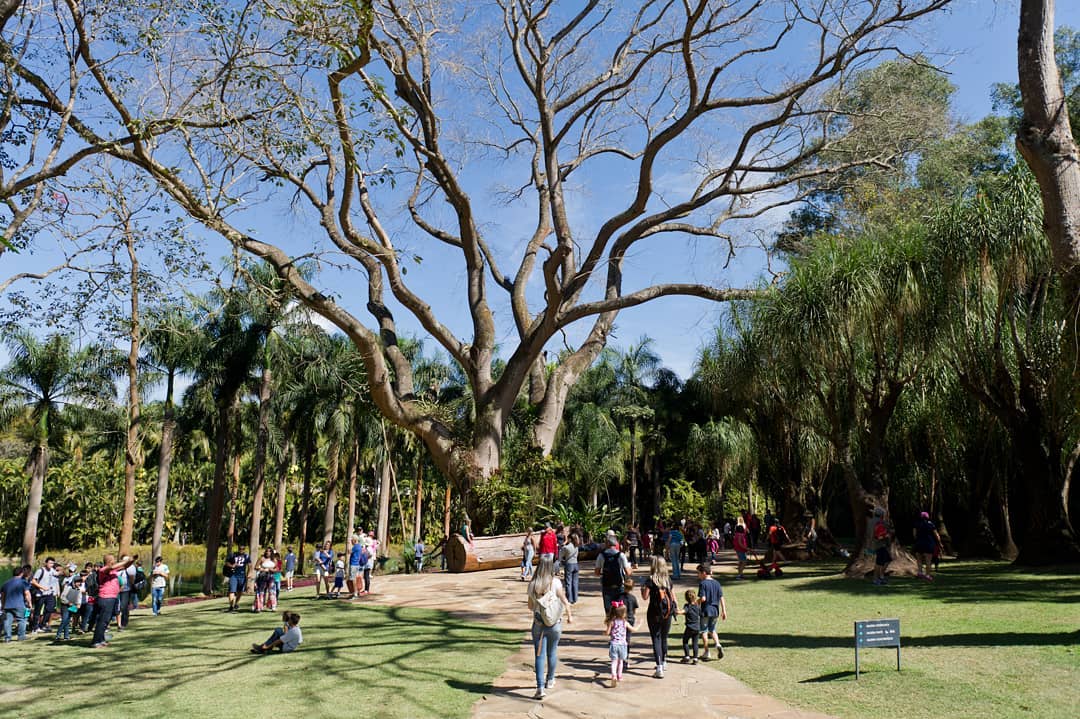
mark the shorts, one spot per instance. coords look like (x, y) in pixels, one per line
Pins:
(741, 556)
(289, 574)
(708, 624)
(237, 583)
(618, 651)
(882, 556)
(355, 570)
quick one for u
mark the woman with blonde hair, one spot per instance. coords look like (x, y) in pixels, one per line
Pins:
(547, 601)
(662, 606)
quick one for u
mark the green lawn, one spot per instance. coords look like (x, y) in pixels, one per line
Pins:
(193, 661)
(984, 640)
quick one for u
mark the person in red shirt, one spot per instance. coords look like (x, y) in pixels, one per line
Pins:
(108, 594)
(549, 544)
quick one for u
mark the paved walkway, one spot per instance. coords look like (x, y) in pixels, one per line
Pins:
(497, 597)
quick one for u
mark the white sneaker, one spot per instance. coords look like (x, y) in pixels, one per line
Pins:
(550, 684)
(540, 693)
(659, 673)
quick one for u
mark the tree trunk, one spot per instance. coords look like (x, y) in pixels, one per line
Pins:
(1008, 546)
(1046, 142)
(168, 427)
(382, 524)
(287, 461)
(1046, 535)
(633, 473)
(217, 494)
(352, 470)
(234, 491)
(332, 463)
(38, 466)
(305, 497)
(133, 451)
(418, 508)
(262, 439)
(446, 513)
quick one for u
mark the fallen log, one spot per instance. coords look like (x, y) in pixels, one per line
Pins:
(496, 552)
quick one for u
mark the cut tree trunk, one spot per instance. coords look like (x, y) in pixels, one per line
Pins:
(352, 471)
(382, 523)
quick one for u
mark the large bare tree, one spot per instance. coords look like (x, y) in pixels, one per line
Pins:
(377, 115)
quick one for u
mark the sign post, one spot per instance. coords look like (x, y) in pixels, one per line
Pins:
(877, 633)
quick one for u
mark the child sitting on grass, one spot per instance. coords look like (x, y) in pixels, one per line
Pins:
(691, 627)
(287, 637)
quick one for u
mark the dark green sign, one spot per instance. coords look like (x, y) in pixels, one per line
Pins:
(877, 633)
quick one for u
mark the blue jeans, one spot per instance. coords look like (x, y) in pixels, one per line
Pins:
(675, 550)
(546, 647)
(572, 576)
(157, 597)
(64, 632)
(11, 616)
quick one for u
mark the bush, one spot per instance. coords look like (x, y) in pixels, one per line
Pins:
(682, 500)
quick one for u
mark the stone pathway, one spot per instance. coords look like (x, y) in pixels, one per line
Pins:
(497, 597)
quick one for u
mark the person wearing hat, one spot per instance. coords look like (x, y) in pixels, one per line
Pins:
(927, 540)
(612, 567)
(882, 538)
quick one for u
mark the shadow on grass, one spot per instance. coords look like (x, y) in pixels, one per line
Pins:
(972, 639)
(828, 678)
(956, 582)
(199, 653)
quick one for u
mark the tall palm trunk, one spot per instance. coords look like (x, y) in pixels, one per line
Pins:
(133, 453)
(217, 493)
(38, 467)
(633, 474)
(168, 426)
(417, 509)
(332, 464)
(305, 497)
(352, 470)
(259, 481)
(234, 491)
(287, 461)
(382, 525)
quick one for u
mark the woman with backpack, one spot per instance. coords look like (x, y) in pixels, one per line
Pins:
(662, 607)
(547, 601)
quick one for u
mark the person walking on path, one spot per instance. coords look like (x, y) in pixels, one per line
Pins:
(711, 598)
(675, 543)
(662, 606)
(15, 602)
(548, 602)
(691, 627)
(108, 595)
(159, 579)
(617, 627)
(568, 557)
(237, 566)
(356, 567)
(324, 567)
(927, 540)
(612, 567)
(528, 551)
(290, 568)
(549, 543)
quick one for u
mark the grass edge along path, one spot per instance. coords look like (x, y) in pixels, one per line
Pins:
(984, 640)
(193, 661)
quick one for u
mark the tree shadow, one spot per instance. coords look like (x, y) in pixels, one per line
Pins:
(966, 639)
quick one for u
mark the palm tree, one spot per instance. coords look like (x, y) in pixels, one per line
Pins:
(635, 367)
(42, 377)
(171, 347)
(590, 449)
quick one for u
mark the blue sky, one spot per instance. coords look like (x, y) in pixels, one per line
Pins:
(976, 41)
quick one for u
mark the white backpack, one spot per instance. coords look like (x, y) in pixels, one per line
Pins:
(550, 608)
